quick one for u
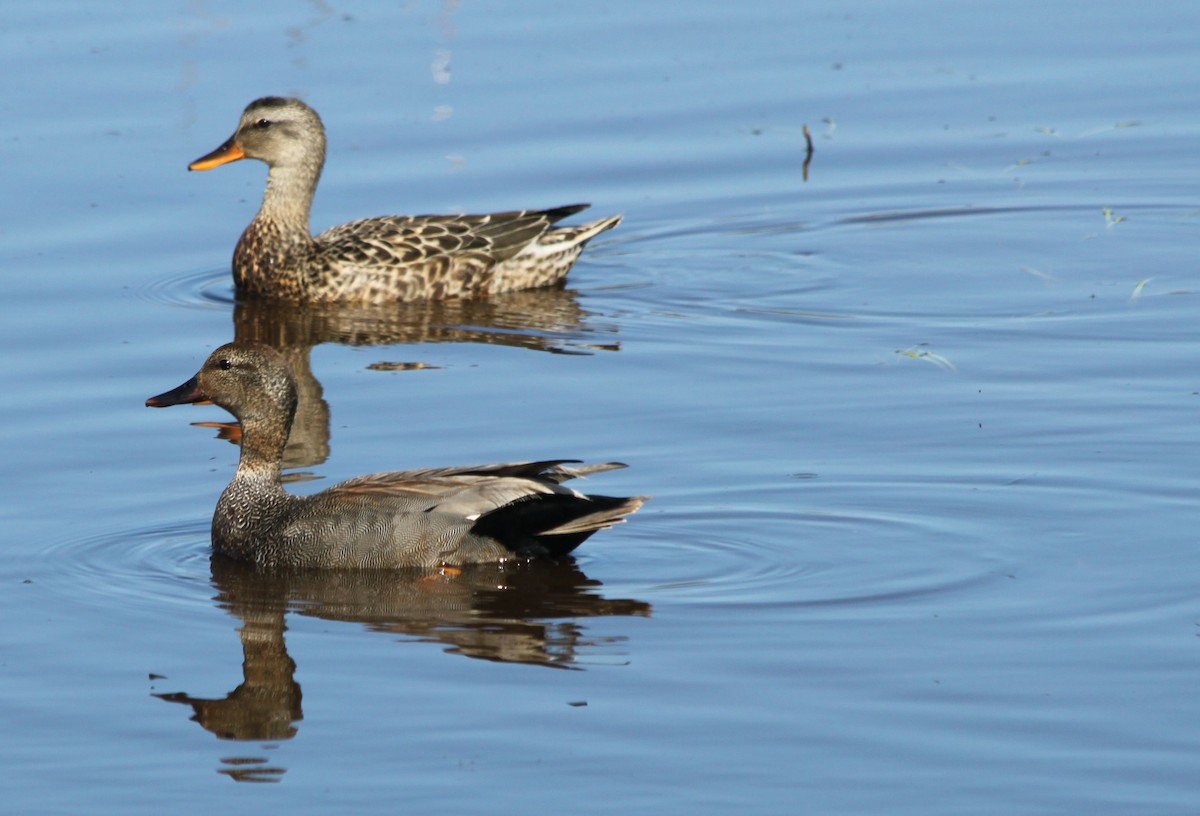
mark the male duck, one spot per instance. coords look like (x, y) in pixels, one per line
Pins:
(418, 518)
(384, 259)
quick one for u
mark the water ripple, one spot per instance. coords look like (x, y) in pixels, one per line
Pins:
(207, 289)
(773, 558)
(145, 567)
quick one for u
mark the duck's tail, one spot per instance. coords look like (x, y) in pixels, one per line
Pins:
(577, 235)
(550, 525)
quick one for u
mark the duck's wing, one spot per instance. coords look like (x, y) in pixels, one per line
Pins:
(408, 240)
(471, 489)
(460, 515)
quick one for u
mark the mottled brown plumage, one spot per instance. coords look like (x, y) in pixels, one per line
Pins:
(384, 259)
(417, 518)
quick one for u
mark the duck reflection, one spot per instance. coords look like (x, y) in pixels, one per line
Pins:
(548, 319)
(513, 613)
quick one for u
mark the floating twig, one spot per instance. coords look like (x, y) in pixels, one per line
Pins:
(808, 151)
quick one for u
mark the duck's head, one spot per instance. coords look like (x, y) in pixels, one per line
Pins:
(281, 132)
(250, 380)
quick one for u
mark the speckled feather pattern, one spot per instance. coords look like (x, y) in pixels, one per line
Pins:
(383, 259)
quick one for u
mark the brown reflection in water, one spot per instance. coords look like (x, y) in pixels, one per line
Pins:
(548, 319)
(513, 613)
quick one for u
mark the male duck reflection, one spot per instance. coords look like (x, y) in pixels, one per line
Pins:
(385, 259)
(417, 518)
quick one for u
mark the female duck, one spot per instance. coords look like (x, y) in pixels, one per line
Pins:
(384, 259)
(417, 518)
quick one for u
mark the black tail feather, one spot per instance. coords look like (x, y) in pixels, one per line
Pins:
(551, 525)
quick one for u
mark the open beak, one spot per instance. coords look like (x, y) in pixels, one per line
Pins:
(187, 393)
(226, 153)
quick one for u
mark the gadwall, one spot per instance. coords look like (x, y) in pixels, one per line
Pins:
(417, 518)
(384, 259)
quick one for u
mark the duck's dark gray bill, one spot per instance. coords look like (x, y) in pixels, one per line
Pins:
(187, 393)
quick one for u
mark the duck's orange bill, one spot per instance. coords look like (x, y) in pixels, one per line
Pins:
(226, 153)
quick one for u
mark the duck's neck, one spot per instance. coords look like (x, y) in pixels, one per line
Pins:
(249, 509)
(275, 248)
(287, 201)
(261, 460)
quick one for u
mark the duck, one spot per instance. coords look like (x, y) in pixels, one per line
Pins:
(384, 259)
(433, 518)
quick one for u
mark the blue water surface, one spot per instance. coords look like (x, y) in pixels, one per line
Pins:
(917, 411)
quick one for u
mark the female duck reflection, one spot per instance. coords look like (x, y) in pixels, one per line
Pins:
(548, 319)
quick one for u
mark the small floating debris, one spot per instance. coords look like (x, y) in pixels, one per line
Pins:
(808, 151)
(918, 353)
(385, 365)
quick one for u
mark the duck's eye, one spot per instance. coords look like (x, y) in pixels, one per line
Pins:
(263, 124)
(224, 364)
